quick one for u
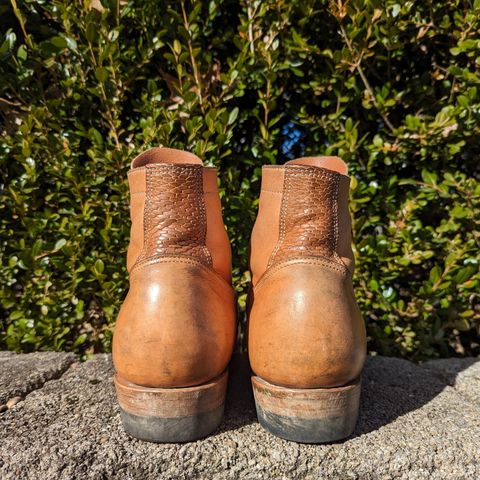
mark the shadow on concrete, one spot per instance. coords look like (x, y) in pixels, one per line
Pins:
(391, 387)
(240, 405)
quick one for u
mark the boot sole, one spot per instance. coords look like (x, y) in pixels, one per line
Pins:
(316, 415)
(171, 415)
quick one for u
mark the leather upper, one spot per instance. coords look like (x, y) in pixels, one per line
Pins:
(305, 328)
(175, 222)
(176, 327)
(177, 324)
(308, 220)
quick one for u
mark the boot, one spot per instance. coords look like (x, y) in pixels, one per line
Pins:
(176, 329)
(306, 338)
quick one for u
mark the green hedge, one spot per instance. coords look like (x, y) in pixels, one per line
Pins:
(393, 88)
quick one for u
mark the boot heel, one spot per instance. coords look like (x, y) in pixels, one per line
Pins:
(315, 415)
(167, 415)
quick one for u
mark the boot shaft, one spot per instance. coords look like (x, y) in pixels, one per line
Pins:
(303, 212)
(175, 211)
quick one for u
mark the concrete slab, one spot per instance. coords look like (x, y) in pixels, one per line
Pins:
(413, 425)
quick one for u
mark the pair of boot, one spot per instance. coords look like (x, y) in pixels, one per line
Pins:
(177, 326)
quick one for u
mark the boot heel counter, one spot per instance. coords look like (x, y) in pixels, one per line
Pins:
(305, 328)
(176, 327)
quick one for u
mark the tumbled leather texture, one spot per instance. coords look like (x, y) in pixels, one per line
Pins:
(309, 216)
(175, 217)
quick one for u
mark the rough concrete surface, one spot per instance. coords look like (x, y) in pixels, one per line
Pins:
(416, 422)
(20, 374)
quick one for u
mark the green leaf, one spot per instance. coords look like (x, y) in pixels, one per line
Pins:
(459, 211)
(177, 47)
(59, 42)
(99, 266)
(91, 32)
(15, 315)
(81, 339)
(22, 52)
(462, 324)
(429, 177)
(435, 274)
(71, 43)
(101, 74)
(464, 274)
(233, 115)
(60, 244)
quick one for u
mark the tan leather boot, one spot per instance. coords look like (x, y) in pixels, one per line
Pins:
(306, 337)
(176, 329)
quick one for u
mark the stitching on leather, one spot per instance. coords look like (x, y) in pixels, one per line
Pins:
(283, 209)
(147, 212)
(162, 258)
(199, 191)
(335, 222)
(152, 171)
(173, 166)
(144, 220)
(318, 261)
(178, 259)
(168, 165)
(271, 191)
(305, 171)
(138, 169)
(313, 170)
